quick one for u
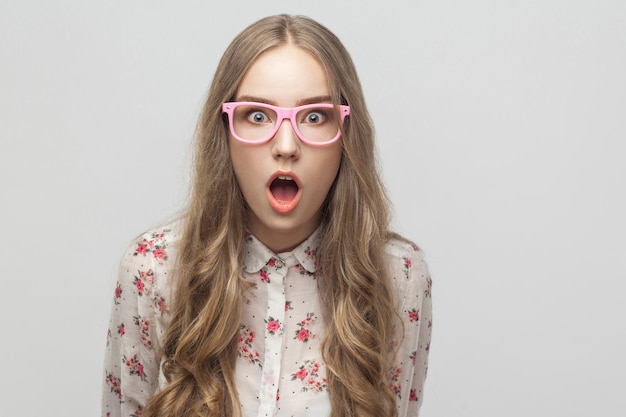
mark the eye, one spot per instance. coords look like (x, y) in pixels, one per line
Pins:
(258, 116)
(315, 117)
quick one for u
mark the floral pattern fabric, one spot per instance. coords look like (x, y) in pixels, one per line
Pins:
(280, 371)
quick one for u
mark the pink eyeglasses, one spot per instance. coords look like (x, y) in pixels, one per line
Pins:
(314, 124)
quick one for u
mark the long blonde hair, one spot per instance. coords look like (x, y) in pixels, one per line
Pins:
(200, 343)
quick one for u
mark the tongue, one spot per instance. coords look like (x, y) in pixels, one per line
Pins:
(283, 190)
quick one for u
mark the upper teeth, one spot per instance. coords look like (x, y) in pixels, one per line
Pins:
(285, 177)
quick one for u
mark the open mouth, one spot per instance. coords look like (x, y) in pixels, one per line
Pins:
(284, 188)
(284, 193)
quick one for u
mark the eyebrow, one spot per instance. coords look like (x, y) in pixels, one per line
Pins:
(302, 102)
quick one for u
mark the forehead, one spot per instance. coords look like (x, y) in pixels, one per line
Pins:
(284, 76)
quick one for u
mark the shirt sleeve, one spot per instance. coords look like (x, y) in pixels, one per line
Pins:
(409, 374)
(131, 364)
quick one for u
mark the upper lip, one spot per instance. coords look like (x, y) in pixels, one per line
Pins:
(282, 174)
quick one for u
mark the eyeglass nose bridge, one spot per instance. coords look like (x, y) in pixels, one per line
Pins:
(283, 114)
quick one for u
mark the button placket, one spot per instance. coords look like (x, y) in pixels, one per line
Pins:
(274, 322)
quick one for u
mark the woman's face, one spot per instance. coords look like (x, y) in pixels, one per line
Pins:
(284, 181)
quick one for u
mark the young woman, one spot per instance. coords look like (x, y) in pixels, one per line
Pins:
(280, 291)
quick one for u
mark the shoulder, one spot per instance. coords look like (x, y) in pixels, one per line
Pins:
(157, 243)
(152, 254)
(405, 256)
(406, 267)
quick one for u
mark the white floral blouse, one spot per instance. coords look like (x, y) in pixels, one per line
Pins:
(280, 370)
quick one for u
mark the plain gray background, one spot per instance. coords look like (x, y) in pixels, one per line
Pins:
(501, 128)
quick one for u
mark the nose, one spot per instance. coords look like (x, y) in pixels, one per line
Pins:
(285, 142)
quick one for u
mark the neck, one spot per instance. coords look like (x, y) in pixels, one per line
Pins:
(282, 238)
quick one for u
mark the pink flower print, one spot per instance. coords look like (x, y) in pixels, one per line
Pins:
(144, 330)
(273, 326)
(147, 342)
(303, 335)
(140, 322)
(264, 277)
(303, 271)
(160, 304)
(134, 367)
(394, 378)
(414, 315)
(115, 384)
(246, 350)
(413, 395)
(407, 266)
(137, 412)
(118, 294)
(413, 357)
(288, 306)
(141, 249)
(120, 330)
(272, 262)
(147, 276)
(429, 284)
(301, 374)
(140, 285)
(156, 245)
(308, 374)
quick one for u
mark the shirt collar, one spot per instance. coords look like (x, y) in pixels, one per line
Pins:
(256, 255)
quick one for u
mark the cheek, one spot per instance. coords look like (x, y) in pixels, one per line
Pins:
(328, 169)
(243, 164)
(334, 159)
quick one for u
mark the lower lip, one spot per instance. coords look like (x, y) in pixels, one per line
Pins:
(283, 206)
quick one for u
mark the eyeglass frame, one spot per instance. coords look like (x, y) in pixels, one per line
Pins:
(283, 113)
